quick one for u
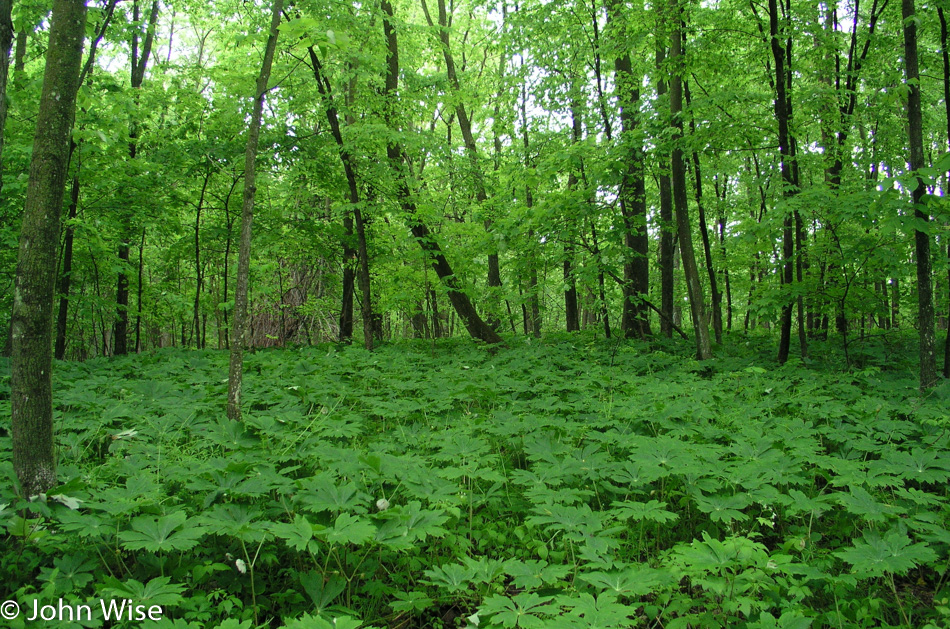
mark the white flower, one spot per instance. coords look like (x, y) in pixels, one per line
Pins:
(240, 565)
(382, 504)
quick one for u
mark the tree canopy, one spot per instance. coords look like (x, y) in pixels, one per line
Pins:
(537, 143)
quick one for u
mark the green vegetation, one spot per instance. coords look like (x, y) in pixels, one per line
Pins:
(556, 483)
(587, 191)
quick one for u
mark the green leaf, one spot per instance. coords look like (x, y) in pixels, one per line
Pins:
(524, 610)
(453, 577)
(862, 503)
(874, 556)
(316, 622)
(723, 508)
(297, 534)
(634, 580)
(159, 534)
(159, 591)
(349, 529)
(603, 611)
(322, 591)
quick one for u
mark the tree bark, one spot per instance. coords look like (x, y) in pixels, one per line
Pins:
(19, 55)
(635, 320)
(571, 313)
(199, 275)
(471, 149)
(32, 326)
(848, 94)
(704, 230)
(6, 43)
(667, 223)
(397, 159)
(533, 298)
(138, 66)
(944, 42)
(140, 289)
(349, 170)
(694, 288)
(782, 116)
(925, 304)
(65, 279)
(65, 276)
(239, 335)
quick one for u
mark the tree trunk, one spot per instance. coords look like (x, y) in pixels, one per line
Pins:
(397, 159)
(471, 149)
(704, 230)
(138, 65)
(349, 170)
(635, 320)
(944, 42)
(227, 257)
(571, 314)
(349, 279)
(31, 383)
(6, 42)
(783, 116)
(239, 335)
(140, 290)
(667, 224)
(721, 191)
(65, 276)
(19, 54)
(533, 254)
(694, 288)
(199, 276)
(925, 304)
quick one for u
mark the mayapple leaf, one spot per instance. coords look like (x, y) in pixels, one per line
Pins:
(634, 580)
(453, 577)
(862, 503)
(653, 511)
(532, 573)
(521, 611)
(604, 611)
(788, 620)
(297, 534)
(322, 591)
(894, 553)
(350, 529)
(723, 508)
(317, 622)
(158, 591)
(160, 535)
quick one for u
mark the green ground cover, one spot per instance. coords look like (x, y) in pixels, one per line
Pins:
(549, 484)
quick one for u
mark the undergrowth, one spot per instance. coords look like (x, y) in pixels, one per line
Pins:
(551, 484)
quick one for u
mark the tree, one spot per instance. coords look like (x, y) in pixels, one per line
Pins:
(349, 170)
(694, 287)
(239, 334)
(783, 115)
(468, 138)
(944, 43)
(65, 275)
(6, 43)
(475, 325)
(667, 223)
(137, 75)
(925, 305)
(635, 320)
(32, 321)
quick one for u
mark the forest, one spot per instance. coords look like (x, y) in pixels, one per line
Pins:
(450, 313)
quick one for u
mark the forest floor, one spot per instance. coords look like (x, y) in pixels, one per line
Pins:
(555, 483)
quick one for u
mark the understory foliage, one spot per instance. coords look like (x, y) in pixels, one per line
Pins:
(569, 482)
